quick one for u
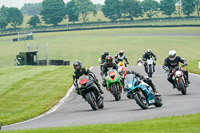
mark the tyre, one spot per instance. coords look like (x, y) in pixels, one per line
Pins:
(101, 104)
(141, 100)
(182, 87)
(115, 91)
(91, 99)
(158, 102)
(150, 72)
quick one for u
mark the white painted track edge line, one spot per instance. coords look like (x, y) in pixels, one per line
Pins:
(54, 108)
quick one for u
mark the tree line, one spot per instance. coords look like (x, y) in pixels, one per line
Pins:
(54, 11)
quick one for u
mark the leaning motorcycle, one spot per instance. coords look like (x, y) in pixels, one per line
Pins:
(179, 79)
(141, 92)
(89, 91)
(150, 67)
(113, 82)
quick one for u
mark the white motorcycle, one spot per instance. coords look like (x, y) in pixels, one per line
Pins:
(150, 67)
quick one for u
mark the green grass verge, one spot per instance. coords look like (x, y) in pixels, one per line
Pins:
(193, 66)
(27, 91)
(174, 124)
(87, 46)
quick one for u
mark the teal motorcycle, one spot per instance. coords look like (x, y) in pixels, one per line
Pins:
(141, 92)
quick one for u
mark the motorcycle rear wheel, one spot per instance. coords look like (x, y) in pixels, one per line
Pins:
(91, 99)
(158, 102)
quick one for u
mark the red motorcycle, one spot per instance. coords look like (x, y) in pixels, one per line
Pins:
(180, 79)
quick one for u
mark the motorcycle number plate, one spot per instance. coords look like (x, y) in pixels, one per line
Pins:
(151, 101)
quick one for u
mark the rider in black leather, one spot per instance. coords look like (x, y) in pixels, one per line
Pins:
(172, 62)
(103, 56)
(147, 55)
(79, 71)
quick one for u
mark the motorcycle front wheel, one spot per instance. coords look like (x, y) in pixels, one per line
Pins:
(150, 72)
(182, 87)
(91, 99)
(141, 100)
(115, 91)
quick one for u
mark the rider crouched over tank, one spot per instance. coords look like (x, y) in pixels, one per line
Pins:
(171, 62)
(108, 65)
(80, 71)
(123, 72)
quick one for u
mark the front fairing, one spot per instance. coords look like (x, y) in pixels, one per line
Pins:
(150, 61)
(87, 85)
(129, 82)
(115, 78)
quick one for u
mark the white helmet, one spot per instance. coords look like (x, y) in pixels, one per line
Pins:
(172, 55)
(122, 71)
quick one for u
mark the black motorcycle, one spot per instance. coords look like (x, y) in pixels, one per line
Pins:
(90, 92)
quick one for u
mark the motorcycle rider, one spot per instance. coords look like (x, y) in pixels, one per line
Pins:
(147, 55)
(80, 71)
(171, 62)
(102, 60)
(108, 65)
(123, 72)
(120, 57)
(103, 57)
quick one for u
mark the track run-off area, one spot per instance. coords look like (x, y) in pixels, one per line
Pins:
(75, 111)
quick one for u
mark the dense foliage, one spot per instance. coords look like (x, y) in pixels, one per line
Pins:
(31, 9)
(34, 20)
(53, 11)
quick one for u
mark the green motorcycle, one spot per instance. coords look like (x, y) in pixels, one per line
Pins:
(113, 83)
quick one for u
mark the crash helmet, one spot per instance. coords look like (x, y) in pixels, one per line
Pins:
(122, 70)
(106, 53)
(148, 51)
(172, 55)
(121, 53)
(109, 60)
(77, 65)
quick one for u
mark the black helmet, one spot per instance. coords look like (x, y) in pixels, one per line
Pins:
(77, 65)
(106, 53)
(109, 59)
(148, 51)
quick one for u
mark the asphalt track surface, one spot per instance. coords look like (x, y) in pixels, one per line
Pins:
(75, 111)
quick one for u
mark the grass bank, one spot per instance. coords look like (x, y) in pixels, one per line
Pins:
(27, 91)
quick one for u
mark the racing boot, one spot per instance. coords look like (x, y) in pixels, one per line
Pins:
(154, 89)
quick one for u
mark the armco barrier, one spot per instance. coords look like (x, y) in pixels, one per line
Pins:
(107, 27)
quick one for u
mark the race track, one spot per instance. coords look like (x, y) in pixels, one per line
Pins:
(75, 111)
